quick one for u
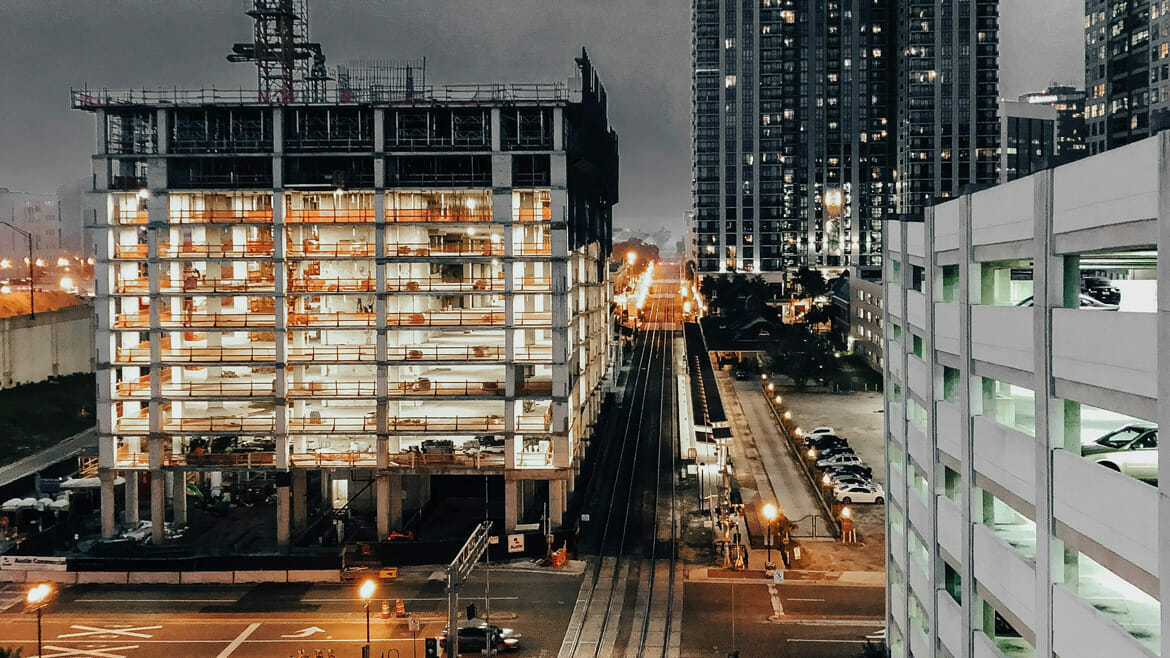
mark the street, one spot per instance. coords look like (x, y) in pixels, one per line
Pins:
(279, 620)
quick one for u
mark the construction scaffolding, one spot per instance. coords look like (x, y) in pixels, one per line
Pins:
(369, 81)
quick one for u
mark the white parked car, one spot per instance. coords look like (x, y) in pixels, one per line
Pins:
(840, 459)
(871, 492)
(819, 430)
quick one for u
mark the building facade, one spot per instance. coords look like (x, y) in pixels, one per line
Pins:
(1028, 139)
(1118, 71)
(355, 293)
(1026, 515)
(33, 213)
(865, 317)
(1071, 132)
(948, 91)
(792, 127)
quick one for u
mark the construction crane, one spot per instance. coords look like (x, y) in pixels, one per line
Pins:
(289, 67)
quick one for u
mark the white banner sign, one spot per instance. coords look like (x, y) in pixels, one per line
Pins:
(31, 563)
(515, 543)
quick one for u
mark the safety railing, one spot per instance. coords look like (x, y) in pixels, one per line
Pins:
(334, 320)
(318, 285)
(446, 424)
(533, 214)
(542, 389)
(141, 354)
(332, 389)
(454, 214)
(533, 424)
(326, 458)
(251, 248)
(220, 216)
(340, 353)
(428, 388)
(130, 251)
(224, 389)
(436, 353)
(533, 318)
(531, 248)
(460, 318)
(462, 248)
(139, 425)
(131, 217)
(210, 320)
(415, 459)
(444, 285)
(193, 286)
(330, 249)
(319, 424)
(533, 284)
(350, 216)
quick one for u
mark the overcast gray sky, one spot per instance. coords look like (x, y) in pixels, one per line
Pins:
(641, 47)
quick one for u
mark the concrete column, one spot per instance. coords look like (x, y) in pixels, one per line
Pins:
(109, 523)
(395, 501)
(158, 506)
(283, 516)
(131, 488)
(511, 504)
(179, 498)
(300, 515)
(556, 502)
(382, 513)
(1047, 292)
(1164, 378)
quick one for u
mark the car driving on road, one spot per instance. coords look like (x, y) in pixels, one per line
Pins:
(474, 639)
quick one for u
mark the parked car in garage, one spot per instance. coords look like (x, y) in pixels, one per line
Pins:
(860, 493)
(1132, 450)
(836, 460)
(1101, 290)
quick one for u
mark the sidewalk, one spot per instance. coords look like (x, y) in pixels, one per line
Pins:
(766, 471)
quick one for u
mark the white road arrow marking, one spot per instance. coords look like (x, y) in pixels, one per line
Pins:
(125, 632)
(105, 652)
(305, 632)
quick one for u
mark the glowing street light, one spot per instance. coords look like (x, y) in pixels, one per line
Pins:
(365, 592)
(770, 513)
(779, 399)
(771, 386)
(631, 257)
(787, 415)
(38, 596)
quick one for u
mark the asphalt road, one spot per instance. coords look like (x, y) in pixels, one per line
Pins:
(279, 620)
(818, 621)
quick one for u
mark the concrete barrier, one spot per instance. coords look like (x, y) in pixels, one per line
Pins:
(11, 576)
(261, 576)
(207, 577)
(314, 576)
(108, 577)
(154, 578)
(63, 577)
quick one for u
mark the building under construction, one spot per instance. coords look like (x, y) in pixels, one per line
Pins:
(370, 298)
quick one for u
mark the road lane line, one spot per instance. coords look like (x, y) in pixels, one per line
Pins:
(238, 641)
(156, 600)
(814, 600)
(796, 639)
(430, 598)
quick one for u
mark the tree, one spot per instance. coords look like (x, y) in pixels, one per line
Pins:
(811, 283)
(817, 315)
(804, 356)
(871, 650)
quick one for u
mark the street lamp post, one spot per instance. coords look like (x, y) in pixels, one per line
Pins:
(38, 596)
(770, 513)
(31, 264)
(365, 592)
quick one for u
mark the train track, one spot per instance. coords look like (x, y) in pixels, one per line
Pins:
(636, 544)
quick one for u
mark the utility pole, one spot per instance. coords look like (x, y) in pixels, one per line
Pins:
(32, 309)
(457, 573)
